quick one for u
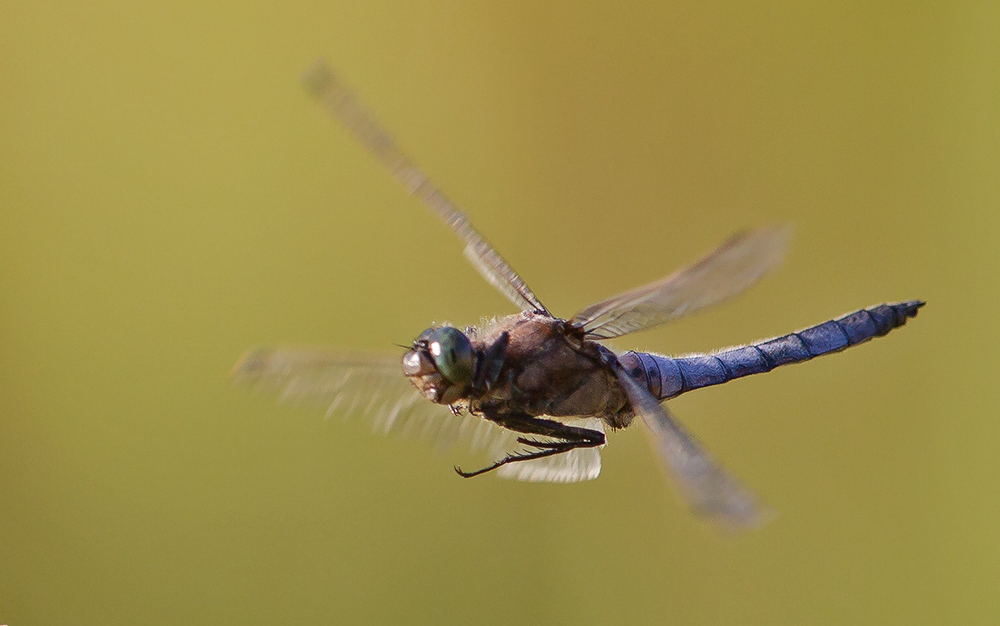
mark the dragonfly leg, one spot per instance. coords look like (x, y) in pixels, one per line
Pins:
(512, 458)
(540, 444)
(489, 363)
(567, 438)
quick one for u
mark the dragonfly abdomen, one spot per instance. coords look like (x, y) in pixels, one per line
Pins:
(668, 377)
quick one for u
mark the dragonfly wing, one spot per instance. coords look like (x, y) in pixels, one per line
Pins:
(704, 484)
(726, 271)
(577, 465)
(370, 385)
(337, 100)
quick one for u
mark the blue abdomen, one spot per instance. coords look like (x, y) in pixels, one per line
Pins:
(668, 377)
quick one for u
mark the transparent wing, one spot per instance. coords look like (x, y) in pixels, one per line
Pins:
(704, 484)
(729, 269)
(371, 385)
(572, 467)
(321, 83)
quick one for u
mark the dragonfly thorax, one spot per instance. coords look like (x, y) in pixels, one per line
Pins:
(441, 364)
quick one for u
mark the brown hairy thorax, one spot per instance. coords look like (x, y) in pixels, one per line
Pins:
(549, 370)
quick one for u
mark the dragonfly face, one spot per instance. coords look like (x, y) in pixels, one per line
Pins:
(441, 364)
(539, 389)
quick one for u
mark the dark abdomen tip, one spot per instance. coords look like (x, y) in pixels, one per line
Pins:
(889, 316)
(907, 309)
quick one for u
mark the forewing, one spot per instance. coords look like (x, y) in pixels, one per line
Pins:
(577, 465)
(328, 90)
(726, 271)
(370, 385)
(704, 484)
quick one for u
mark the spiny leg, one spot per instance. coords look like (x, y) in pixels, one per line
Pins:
(540, 444)
(512, 458)
(570, 438)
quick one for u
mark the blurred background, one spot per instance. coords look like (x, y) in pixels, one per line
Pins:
(170, 197)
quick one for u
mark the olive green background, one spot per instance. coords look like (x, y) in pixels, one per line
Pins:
(169, 197)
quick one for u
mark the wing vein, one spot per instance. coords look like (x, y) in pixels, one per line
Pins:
(726, 271)
(337, 100)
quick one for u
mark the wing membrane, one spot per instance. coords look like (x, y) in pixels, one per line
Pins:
(704, 484)
(726, 271)
(321, 83)
(371, 385)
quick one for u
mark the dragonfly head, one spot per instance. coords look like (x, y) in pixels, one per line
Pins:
(441, 364)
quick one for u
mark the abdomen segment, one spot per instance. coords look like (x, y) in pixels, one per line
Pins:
(668, 377)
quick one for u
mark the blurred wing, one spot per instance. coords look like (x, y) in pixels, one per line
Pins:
(574, 466)
(704, 484)
(368, 384)
(729, 269)
(321, 83)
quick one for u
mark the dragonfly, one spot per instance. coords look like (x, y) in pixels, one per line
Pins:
(539, 392)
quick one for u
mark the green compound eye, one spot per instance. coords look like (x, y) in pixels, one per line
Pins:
(452, 353)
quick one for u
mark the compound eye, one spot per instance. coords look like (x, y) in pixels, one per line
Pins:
(452, 353)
